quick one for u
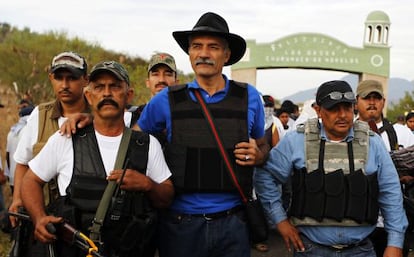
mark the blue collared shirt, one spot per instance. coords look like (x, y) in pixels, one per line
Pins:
(290, 153)
(156, 117)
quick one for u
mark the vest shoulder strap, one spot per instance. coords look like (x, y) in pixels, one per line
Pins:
(392, 135)
(46, 126)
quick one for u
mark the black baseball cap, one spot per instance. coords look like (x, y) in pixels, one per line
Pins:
(333, 92)
(113, 67)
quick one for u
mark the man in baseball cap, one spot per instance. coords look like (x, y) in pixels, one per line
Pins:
(162, 72)
(335, 154)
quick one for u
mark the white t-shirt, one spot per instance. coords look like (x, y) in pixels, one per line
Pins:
(404, 136)
(56, 159)
(24, 151)
(13, 138)
(279, 127)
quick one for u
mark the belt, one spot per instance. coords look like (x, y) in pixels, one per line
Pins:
(218, 215)
(340, 247)
(343, 247)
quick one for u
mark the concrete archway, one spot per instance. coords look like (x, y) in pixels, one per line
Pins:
(319, 51)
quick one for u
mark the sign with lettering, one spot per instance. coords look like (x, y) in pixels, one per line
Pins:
(315, 51)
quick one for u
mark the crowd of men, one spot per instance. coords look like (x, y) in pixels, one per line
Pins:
(154, 179)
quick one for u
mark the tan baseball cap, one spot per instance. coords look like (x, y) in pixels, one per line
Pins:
(367, 87)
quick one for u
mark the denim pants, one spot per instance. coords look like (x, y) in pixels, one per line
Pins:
(315, 250)
(190, 236)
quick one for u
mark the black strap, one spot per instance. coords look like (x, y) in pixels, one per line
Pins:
(392, 135)
(322, 156)
(351, 157)
(219, 142)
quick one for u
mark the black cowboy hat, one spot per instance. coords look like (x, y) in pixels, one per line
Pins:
(213, 24)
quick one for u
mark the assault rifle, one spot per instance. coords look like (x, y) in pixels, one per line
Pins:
(65, 232)
(21, 235)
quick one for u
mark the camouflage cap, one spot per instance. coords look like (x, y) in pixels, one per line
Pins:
(113, 67)
(162, 58)
(71, 61)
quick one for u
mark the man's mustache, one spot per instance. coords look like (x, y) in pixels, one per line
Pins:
(162, 84)
(204, 61)
(107, 101)
(371, 108)
(65, 90)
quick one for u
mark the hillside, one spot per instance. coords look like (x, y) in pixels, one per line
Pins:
(397, 88)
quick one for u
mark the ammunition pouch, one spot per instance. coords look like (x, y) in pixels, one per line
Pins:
(315, 196)
(335, 196)
(357, 196)
(298, 194)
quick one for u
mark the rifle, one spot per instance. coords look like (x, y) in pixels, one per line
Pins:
(21, 235)
(67, 233)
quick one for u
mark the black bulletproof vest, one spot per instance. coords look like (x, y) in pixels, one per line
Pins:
(89, 178)
(192, 155)
(130, 224)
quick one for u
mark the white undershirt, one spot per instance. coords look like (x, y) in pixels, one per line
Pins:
(56, 159)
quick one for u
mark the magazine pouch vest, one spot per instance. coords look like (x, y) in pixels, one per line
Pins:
(192, 155)
(46, 127)
(130, 224)
(333, 189)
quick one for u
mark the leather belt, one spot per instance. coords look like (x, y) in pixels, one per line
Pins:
(218, 215)
(340, 247)
(343, 247)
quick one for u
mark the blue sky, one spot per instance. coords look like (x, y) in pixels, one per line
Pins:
(138, 28)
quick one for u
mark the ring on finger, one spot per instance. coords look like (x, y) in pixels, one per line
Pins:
(247, 157)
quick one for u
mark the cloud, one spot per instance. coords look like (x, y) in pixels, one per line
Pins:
(140, 28)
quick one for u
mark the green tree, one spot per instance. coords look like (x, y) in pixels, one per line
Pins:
(25, 58)
(406, 104)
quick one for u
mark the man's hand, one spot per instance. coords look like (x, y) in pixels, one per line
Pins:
(132, 180)
(74, 121)
(41, 232)
(406, 179)
(290, 235)
(251, 153)
(14, 207)
(160, 194)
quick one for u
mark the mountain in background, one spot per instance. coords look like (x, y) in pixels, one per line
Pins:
(397, 88)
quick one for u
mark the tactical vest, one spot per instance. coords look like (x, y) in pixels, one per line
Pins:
(269, 134)
(192, 155)
(125, 231)
(47, 126)
(333, 189)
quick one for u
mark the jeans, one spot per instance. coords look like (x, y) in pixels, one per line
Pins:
(190, 236)
(315, 250)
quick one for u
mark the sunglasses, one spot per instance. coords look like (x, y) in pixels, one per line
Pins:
(339, 95)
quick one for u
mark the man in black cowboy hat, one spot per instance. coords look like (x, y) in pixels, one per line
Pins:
(204, 219)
